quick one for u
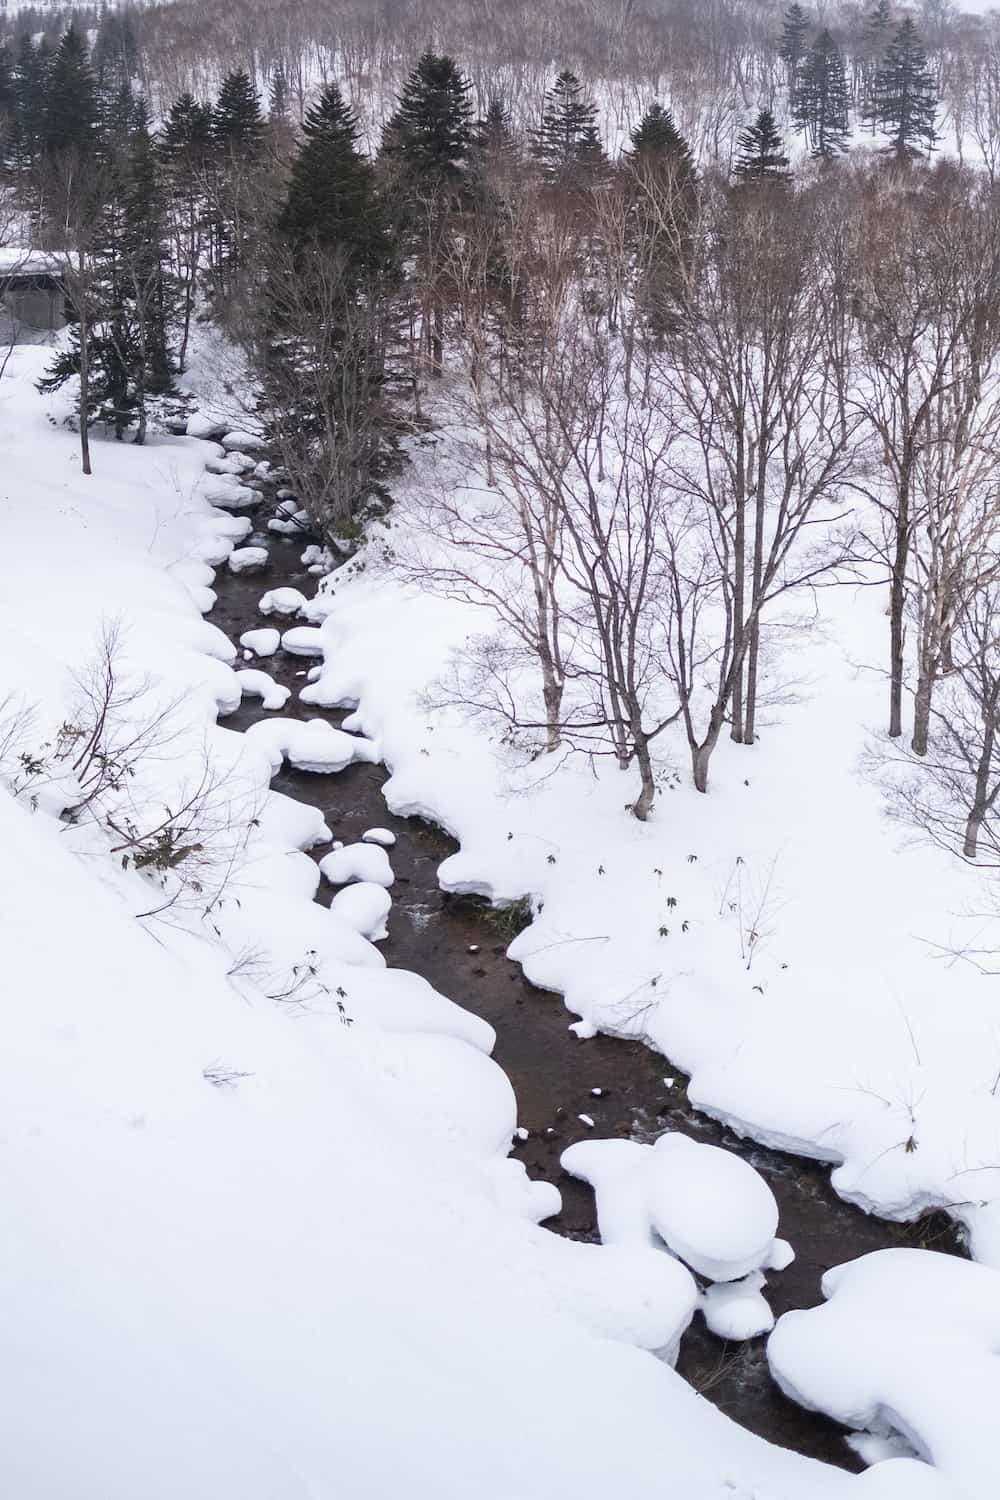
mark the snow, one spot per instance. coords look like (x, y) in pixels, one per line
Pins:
(906, 1343)
(707, 1205)
(242, 442)
(383, 836)
(737, 1310)
(310, 745)
(248, 559)
(262, 1238)
(200, 425)
(365, 862)
(283, 601)
(263, 642)
(364, 906)
(256, 684)
(229, 493)
(303, 640)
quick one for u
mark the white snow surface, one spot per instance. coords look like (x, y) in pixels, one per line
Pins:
(309, 744)
(283, 601)
(383, 836)
(257, 684)
(248, 559)
(848, 1035)
(906, 1343)
(260, 1237)
(707, 1205)
(364, 906)
(362, 861)
(263, 642)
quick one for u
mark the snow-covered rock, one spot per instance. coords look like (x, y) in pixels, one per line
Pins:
(310, 745)
(383, 836)
(283, 601)
(303, 640)
(262, 642)
(248, 559)
(243, 442)
(711, 1207)
(200, 425)
(364, 862)
(364, 907)
(228, 494)
(256, 684)
(906, 1343)
(230, 463)
(737, 1310)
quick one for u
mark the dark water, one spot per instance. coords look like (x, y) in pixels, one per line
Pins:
(456, 947)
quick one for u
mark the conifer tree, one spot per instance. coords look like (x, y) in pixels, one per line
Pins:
(237, 122)
(794, 42)
(567, 137)
(31, 73)
(759, 157)
(820, 100)
(904, 103)
(657, 142)
(184, 147)
(331, 193)
(71, 113)
(427, 140)
(495, 150)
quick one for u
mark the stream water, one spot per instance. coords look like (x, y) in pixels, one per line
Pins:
(452, 943)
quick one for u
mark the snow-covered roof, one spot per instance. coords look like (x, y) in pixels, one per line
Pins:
(26, 262)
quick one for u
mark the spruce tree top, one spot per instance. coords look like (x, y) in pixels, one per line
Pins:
(794, 33)
(71, 98)
(656, 140)
(430, 134)
(904, 102)
(567, 135)
(187, 133)
(237, 122)
(759, 157)
(331, 190)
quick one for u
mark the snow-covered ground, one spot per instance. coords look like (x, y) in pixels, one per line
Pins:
(262, 1234)
(776, 939)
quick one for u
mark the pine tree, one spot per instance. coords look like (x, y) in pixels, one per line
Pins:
(904, 103)
(875, 39)
(31, 74)
(428, 139)
(821, 98)
(658, 164)
(71, 113)
(235, 189)
(759, 158)
(567, 136)
(8, 107)
(495, 151)
(331, 193)
(794, 42)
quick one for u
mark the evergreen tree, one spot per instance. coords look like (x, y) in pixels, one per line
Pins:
(31, 75)
(495, 151)
(567, 137)
(184, 147)
(794, 42)
(904, 103)
(429, 137)
(237, 122)
(821, 98)
(759, 158)
(8, 108)
(71, 113)
(875, 39)
(657, 142)
(331, 193)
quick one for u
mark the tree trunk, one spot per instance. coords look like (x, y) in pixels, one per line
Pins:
(897, 602)
(981, 797)
(85, 393)
(702, 754)
(643, 805)
(922, 712)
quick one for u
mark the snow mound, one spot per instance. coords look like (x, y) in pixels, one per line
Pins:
(906, 1343)
(310, 745)
(383, 836)
(737, 1310)
(263, 642)
(201, 426)
(285, 601)
(303, 640)
(257, 684)
(248, 559)
(243, 442)
(711, 1207)
(228, 494)
(364, 907)
(365, 862)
